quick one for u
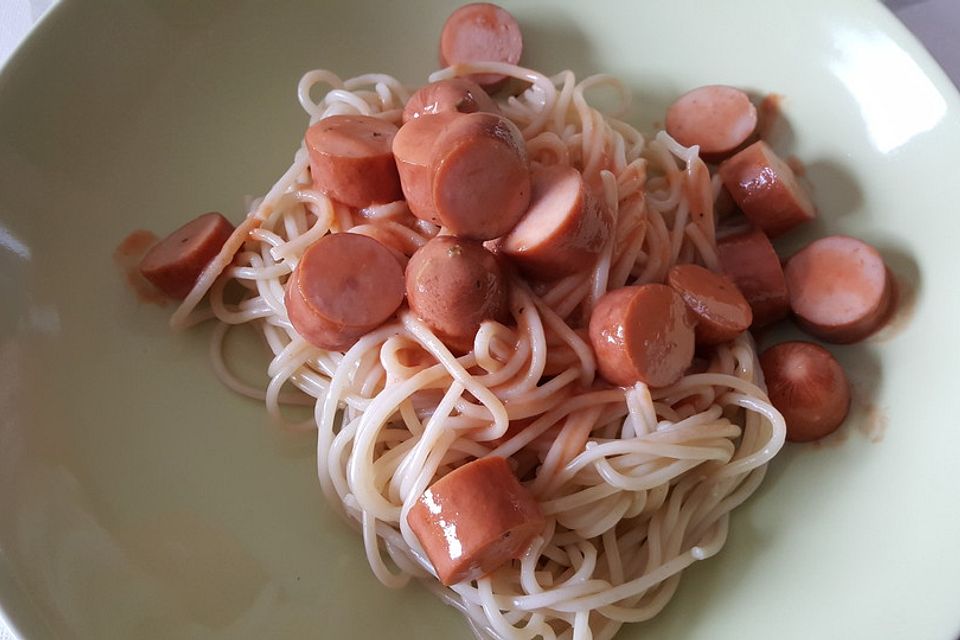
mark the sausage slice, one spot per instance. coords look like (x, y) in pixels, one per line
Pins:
(721, 310)
(563, 231)
(453, 285)
(412, 148)
(766, 189)
(481, 176)
(174, 264)
(840, 288)
(459, 95)
(718, 118)
(481, 32)
(474, 519)
(753, 265)
(642, 334)
(351, 160)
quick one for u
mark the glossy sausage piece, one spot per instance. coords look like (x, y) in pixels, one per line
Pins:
(481, 176)
(642, 334)
(808, 386)
(174, 264)
(453, 285)
(563, 231)
(481, 32)
(721, 310)
(474, 519)
(351, 160)
(718, 118)
(766, 189)
(344, 286)
(753, 265)
(412, 148)
(840, 288)
(458, 95)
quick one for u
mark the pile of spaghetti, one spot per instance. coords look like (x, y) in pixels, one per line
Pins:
(635, 483)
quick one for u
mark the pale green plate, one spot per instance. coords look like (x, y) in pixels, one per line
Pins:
(140, 499)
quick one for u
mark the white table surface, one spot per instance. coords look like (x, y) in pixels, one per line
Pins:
(934, 22)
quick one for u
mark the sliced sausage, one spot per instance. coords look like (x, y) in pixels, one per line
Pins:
(753, 265)
(174, 264)
(474, 519)
(766, 189)
(412, 147)
(718, 118)
(481, 32)
(642, 334)
(808, 386)
(351, 160)
(840, 289)
(563, 231)
(481, 176)
(459, 95)
(453, 285)
(721, 310)
(344, 286)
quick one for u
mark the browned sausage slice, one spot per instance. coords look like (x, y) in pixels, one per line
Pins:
(458, 95)
(718, 118)
(453, 285)
(481, 176)
(766, 189)
(474, 519)
(174, 264)
(808, 386)
(840, 288)
(721, 310)
(481, 32)
(563, 231)
(412, 147)
(351, 159)
(753, 265)
(642, 334)
(344, 286)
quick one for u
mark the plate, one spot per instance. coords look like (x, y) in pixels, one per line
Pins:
(142, 499)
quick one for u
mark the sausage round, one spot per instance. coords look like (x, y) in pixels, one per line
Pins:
(563, 231)
(174, 264)
(459, 95)
(718, 118)
(721, 310)
(344, 286)
(351, 159)
(753, 265)
(412, 148)
(474, 519)
(766, 189)
(840, 288)
(481, 176)
(481, 32)
(642, 334)
(453, 285)
(808, 386)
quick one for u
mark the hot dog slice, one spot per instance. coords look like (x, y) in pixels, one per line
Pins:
(642, 334)
(174, 264)
(563, 231)
(840, 288)
(344, 286)
(412, 148)
(751, 262)
(453, 285)
(766, 189)
(474, 519)
(808, 386)
(481, 176)
(718, 118)
(721, 310)
(459, 95)
(351, 159)
(481, 32)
